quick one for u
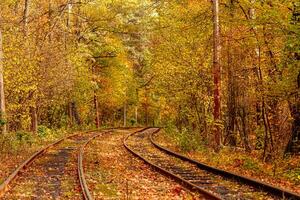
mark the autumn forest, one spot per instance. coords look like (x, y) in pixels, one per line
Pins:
(124, 84)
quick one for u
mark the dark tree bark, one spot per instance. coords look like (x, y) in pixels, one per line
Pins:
(294, 141)
(75, 113)
(34, 119)
(97, 119)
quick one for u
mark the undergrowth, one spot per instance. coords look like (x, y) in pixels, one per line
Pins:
(13, 142)
(185, 139)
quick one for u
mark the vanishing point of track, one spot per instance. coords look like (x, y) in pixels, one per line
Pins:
(214, 183)
(48, 180)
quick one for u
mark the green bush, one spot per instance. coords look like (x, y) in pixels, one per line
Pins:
(43, 131)
(24, 137)
(251, 164)
(132, 121)
(2, 122)
(294, 175)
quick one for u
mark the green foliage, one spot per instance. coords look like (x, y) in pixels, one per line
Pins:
(24, 137)
(43, 131)
(186, 140)
(132, 121)
(293, 175)
(259, 137)
(251, 164)
(2, 122)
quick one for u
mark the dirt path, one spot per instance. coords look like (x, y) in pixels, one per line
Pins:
(113, 173)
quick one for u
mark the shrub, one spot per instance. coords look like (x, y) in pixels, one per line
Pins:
(294, 175)
(43, 131)
(250, 164)
(24, 137)
(132, 121)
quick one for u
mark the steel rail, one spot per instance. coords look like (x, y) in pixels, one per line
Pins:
(84, 187)
(177, 178)
(283, 193)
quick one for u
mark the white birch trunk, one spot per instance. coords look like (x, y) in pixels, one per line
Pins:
(2, 97)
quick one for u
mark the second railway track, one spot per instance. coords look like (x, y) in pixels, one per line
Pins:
(55, 172)
(206, 181)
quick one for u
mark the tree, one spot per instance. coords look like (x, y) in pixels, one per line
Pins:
(216, 73)
(2, 97)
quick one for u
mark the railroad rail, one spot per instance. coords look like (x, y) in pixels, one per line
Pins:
(280, 192)
(85, 190)
(212, 182)
(5, 186)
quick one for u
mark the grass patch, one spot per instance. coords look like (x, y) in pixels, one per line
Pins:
(14, 142)
(251, 164)
(109, 190)
(294, 175)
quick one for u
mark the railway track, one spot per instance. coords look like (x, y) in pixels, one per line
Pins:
(51, 173)
(214, 183)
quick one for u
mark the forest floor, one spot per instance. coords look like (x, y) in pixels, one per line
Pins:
(114, 173)
(286, 175)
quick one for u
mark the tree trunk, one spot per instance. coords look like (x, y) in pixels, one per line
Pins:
(125, 115)
(97, 120)
(75, 113)
(294, 141)
(231, 136)
(245, 128)
(70, 114)
(25, 17)
(33, 112)
(2, 97)
(136, 115)
(295, 137)
(216, 74)
(34, 123)
(50, 19)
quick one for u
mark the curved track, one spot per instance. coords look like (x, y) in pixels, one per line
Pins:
(277, 191)
(85, 190)
(51, 173)
(192, 174)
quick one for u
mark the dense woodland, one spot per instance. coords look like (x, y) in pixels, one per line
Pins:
(224, 74)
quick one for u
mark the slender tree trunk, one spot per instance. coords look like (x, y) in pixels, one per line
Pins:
(231, 136)
(294, 140)
(25, 17)
(34, 125)
(216, 73)
(97, 119)
(70, 114)
(2, 97)
(33, 110)
(50, 18)
(125, 115)
(231, 101)
(136, 114)
(75, 113)
(69, 14)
